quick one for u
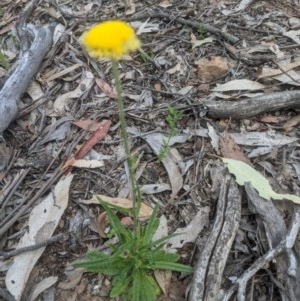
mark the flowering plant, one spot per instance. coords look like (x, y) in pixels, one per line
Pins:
(131, 263)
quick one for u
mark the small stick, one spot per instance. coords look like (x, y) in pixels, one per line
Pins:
(39, 245)
(195, 24)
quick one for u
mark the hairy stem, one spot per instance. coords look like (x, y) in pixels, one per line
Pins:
(124, 135)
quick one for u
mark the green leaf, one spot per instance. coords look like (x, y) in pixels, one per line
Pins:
(109, 265)
(149, 288)
(122, 233)
(136, 285)
(95, 255)
(161, 255)
(244, 173)
(172, 266)
(159, 243)
(131, 260)
(151, 227)
(120, 284)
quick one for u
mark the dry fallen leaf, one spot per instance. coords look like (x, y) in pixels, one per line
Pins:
(102, 223)
(130, 7)
(157, 87)
(230, 149)
(73, 280)
(165, 4)
(63, 100)
(106, 88)
(198, 43)
(239, 85)
(190, 232)
(42, 223)
(175, 69)
(88, 145)
(163, 278)
(170, 161)
(269, 119)
(42, 286)
(291, 123)
(244, 173)
(93, 140)
(269, 138)
(82, 163)
(89, 124)
(284, 73)
(211, 69)
(145, 211)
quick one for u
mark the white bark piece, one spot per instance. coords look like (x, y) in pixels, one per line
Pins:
(23, 71)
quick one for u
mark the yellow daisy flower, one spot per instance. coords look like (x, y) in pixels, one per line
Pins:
(110, 39)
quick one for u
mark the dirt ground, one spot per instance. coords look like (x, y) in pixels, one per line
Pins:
(231, 71)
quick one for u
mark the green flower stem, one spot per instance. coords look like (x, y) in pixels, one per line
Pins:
(124, 135)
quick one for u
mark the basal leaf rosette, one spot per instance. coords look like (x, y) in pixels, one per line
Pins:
(110, 39)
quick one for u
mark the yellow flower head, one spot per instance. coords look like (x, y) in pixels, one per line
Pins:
(110, 39)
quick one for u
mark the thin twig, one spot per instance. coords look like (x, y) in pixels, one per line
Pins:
(6, 224)
(196, 24)
(39, 245)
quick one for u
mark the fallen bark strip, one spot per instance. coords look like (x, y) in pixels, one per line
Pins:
(275, 230)
(285, 245)
(253, 106)
(208, 276)
(27, 65)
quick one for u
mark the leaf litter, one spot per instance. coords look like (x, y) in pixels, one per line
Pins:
(188, 67)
